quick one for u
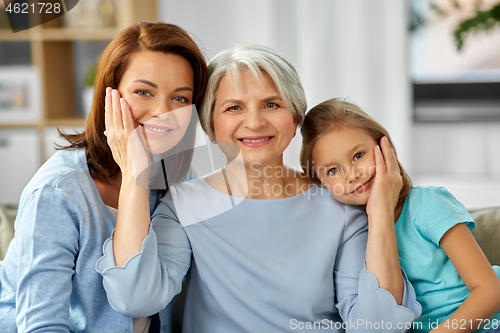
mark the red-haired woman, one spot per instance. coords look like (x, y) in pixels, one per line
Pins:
(67, 211)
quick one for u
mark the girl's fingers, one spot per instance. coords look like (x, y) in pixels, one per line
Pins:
(128, 121)
(379, 162)
(389, 155)
(117, 110)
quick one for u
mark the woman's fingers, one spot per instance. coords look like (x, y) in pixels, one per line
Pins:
(117, 110)
(108, 115)
(128, 121)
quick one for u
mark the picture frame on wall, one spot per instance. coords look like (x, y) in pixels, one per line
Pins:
(20, 98)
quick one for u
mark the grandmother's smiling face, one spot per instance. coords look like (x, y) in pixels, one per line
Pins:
(254, 117)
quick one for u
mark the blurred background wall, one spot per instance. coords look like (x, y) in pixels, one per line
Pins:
(361, 50)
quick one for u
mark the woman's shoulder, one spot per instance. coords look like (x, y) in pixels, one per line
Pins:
(65, 171)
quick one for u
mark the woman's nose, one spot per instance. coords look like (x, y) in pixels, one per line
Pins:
(160, 107)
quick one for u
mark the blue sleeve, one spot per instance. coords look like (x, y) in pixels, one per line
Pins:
(439, 211)
(361, 303)
(47, 242)
(150, 279)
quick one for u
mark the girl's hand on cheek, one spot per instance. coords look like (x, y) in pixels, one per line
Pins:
(387, 182)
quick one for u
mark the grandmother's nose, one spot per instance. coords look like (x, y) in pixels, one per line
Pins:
(254, 119)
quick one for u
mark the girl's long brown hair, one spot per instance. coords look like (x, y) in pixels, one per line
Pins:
(114, 61)
(333, 114)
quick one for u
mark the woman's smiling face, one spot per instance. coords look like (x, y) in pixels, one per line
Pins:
(254, 118)
(345, 163)
(154, 85)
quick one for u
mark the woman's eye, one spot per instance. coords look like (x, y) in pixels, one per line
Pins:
(143, 93)
(181, 99)
(332, 171)
(358, 156)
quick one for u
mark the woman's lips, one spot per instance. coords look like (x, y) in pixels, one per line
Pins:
(360, 189)
(157, 130)
(255, 141)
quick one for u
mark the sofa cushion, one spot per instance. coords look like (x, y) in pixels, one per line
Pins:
(487, 232)
(7, 217)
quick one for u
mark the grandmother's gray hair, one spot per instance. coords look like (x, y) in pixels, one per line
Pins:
(255, 58)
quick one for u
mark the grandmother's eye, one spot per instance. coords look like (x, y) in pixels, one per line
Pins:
(233, 108)
(271, 105)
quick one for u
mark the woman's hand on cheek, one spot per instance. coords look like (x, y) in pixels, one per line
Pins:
(387, 182)
(122, 138)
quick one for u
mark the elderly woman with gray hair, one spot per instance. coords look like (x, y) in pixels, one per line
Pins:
(266, 249)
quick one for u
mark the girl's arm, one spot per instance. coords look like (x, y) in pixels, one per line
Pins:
(132, 223)
(382, 257)
(482, 282)
(363, 305)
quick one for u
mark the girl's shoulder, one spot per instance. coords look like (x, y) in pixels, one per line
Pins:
(431, 195)
(434, 210)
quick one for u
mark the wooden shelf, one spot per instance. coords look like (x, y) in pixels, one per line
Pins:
(65, 122)
(8, 35)
(65, 34)
(52, 48)
(15, 125)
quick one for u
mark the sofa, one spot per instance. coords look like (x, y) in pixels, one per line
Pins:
(487, 232)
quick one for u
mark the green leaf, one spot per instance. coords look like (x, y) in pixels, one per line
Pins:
(483, 21)
(90, 76)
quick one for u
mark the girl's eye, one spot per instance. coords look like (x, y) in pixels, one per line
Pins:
(181, 99)
(332, 171)
(143, 93)
(358, 156)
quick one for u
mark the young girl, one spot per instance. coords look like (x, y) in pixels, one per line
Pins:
(454, 282)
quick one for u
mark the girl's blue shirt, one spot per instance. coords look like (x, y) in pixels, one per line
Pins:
(428, 213)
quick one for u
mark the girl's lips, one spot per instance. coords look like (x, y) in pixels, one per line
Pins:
(360, 189)
(255, 141)
(157, 130)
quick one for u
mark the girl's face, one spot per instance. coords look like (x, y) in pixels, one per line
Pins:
(254, 118)
(159, 90)
(344, 162)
